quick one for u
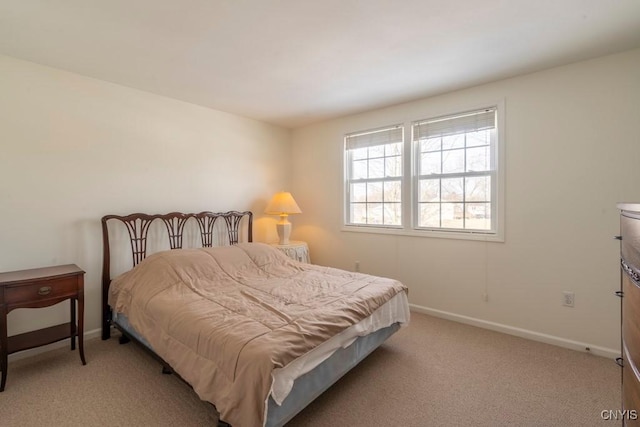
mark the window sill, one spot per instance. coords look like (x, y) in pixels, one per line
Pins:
(456, 235)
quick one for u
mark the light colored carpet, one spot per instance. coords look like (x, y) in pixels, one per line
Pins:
(432, 373)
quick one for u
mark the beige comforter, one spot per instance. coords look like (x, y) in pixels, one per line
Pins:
(225, 317)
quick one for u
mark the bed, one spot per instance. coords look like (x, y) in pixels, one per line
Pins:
(252, 331)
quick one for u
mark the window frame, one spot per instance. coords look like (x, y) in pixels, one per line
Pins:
(410, 184)
(348, 162)
(418, 175)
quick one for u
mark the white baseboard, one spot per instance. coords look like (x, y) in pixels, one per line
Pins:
(522, 333)
(42, 349)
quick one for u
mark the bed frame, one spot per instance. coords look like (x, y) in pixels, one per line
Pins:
(227, 231)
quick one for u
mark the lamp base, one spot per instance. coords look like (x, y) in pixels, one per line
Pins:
(284, 231)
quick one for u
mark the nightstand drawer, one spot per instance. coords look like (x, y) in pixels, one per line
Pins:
(41, 291)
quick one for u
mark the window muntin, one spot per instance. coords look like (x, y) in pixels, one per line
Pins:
(374, 170)
(455, 179)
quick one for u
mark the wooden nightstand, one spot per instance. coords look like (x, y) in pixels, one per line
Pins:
(295, 250)
(41, 287)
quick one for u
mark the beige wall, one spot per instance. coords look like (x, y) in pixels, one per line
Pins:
(74, 149)
(572, 151)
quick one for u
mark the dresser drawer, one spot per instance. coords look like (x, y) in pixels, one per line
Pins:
(630, 248)
(44, 291)
(630, 393)
(630, 319)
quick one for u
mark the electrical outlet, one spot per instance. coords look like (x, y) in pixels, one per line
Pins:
(568, 298)
(485, 297)
(357, 266)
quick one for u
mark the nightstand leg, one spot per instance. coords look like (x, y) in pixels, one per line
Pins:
(81, 326)
(74, 329)
(4, 370)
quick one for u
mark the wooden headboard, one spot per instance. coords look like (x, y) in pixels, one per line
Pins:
(138, 225)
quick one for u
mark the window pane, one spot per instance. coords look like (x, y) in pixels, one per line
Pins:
(480, 137)
(429, 190)
(478, 216)
(478, 159)
(430, 163)
(431, 144)
(478, 189)
(376, 151)
(429, 215)
(392, 191)
(452, 190)
(452, 215)
(374, 192)
(359, 153)
(376, 168)
(393, 149)
(393, 166)
(359, 169)
(453, 141)
(393, 214)
(453, 161)
(358, 213)
(359, 192)
(374, 213)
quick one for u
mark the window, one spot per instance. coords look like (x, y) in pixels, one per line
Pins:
(444, 180)
(374, 177)
(456, 172)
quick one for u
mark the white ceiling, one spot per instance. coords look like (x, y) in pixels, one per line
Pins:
(294, 62)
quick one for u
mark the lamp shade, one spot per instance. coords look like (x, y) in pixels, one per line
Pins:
(282, 203)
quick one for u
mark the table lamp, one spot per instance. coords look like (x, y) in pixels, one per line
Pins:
(283, 204)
